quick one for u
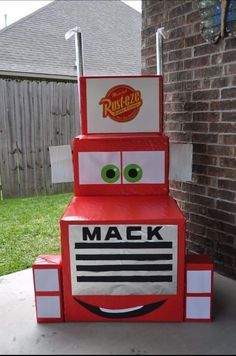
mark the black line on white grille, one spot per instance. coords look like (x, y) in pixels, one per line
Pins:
(130, 245)
(107, 268)
(138, 257)
(124, 279)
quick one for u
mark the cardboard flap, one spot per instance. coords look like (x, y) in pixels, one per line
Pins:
(180, 166)
(61, 164)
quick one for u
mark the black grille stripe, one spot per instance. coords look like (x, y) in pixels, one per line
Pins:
(129, 245)
(114, 279)
(107, 268)
(139, 257)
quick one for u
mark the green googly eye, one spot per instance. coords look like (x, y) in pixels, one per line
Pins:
(133, 173)
(110, 173)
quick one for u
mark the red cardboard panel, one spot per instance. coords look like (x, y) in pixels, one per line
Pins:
(97, 242)
(47, 278)
(94, 155)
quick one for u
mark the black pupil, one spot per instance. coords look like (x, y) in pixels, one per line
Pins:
(133, 173)
(110, 173)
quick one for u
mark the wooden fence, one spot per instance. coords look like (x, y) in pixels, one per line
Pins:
(34, 114)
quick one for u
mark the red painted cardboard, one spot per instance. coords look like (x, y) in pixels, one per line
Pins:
(49, 262)
(121, 144)
(200, 262)
(123, 210)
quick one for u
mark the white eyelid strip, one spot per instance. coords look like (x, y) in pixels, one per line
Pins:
(91, 164)
(151, 162)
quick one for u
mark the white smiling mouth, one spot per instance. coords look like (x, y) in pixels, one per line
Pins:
(126, 310)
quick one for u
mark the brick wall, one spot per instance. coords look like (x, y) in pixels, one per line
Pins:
(199, 107)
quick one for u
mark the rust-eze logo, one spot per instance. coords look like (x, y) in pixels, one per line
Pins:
(121, 103)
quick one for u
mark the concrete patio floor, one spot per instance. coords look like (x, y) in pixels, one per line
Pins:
(20, 333)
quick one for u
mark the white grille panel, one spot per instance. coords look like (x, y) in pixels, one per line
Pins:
(123, 259)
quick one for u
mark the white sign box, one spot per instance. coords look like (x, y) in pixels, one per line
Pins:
(123, 259)
(121, 104)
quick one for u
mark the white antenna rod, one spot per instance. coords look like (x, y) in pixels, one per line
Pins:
(160, 34)
(78, 49)
(79, 56)
(5, 17)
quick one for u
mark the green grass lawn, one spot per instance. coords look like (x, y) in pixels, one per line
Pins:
(29, 227)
